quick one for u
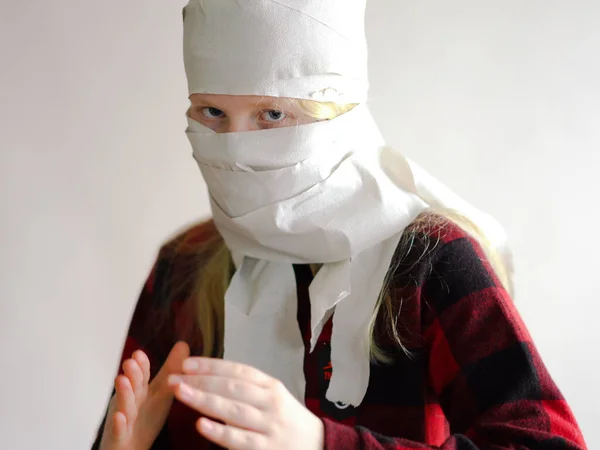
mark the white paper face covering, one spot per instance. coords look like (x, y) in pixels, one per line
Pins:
(334, 204)
(330, 192)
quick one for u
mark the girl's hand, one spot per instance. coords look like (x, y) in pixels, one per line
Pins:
(138, 410)
(258, 411)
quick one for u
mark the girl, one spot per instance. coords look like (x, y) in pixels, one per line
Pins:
(326, 305)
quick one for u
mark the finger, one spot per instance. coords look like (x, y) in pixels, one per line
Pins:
(230, 437)
(144, 363)
(125, 399)
(229, 411)
(179, 353)
(224, 368)
(133, 371)
(119, 427)
(231, 388)
(172, 364)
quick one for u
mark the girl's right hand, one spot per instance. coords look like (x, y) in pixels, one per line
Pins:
(138, 410)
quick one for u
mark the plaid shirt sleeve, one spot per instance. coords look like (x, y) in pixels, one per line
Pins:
(492, 385)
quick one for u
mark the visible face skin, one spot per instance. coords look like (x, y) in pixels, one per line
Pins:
(235, 113)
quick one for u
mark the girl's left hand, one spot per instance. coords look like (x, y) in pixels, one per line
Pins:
(258, 411)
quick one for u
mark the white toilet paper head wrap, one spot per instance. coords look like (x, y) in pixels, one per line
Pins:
(308, 49)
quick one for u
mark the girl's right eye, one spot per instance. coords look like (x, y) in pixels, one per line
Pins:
(212, 113)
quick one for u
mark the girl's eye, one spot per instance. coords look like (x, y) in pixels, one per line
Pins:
(273, 115)
(212, 113)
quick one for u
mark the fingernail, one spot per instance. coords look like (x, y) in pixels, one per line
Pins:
(174, 380)
(207, 425)
(186, 390)
(190, 364)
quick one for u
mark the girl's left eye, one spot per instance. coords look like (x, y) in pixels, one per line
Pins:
(273, 115)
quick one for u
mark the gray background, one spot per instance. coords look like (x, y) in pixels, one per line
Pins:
(500, 100)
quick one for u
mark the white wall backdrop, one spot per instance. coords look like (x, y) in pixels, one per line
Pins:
(501, 100)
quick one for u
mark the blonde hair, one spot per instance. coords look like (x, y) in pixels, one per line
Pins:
(214, 266)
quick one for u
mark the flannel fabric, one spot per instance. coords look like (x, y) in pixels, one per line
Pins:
(471, 377)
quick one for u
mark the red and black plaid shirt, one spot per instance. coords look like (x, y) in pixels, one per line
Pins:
(473, 378)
